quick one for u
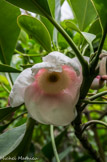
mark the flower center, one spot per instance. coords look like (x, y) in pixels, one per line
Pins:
(52, 82)
(53, 78)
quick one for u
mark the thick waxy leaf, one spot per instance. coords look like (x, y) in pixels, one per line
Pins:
(55, 8)
(36, 6)
(37, 30)
(4, 112)
(6, 68)
(101, 7)
(11, 139)
(83, 11)
(49, 26)
(23, 147)
(9, 30)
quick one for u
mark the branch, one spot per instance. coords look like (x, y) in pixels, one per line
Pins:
(93, 98)
(87, 101)
(91, 122)
(96, 137)
(84, 141)
(98, 95)
(103, 114)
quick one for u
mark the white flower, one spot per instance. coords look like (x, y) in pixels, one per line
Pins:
(50, 90)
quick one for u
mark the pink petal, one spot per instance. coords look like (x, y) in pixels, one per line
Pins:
(48, 107)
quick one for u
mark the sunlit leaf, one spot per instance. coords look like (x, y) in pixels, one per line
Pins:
(101, 7)
(36, 6)
(11, 139)
(37, 30)
(83, 11)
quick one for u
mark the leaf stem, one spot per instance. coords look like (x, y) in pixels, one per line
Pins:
(5, 88)
(53, 143)
(29, 55)
(91, 122)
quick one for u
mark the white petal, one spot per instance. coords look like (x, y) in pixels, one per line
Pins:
(60, 59)
(46, 65)
(17, 93)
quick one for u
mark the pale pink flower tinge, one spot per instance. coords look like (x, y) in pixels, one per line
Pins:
(50, 90)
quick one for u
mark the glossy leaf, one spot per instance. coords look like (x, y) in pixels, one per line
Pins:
(37, 30)
(7, 68)
(23, 147)
(55, 8)
(36, 6)
(9, 30)
(101, 7)
(71, 25)
(11, 139)
(83, 11)
(48, 25)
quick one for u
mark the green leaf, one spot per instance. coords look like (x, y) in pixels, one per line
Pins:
(95, 28)
(101, 7)
(55, 8)
(48, 149)
(9, 30)
(37, 30)
(87, 36)
(48, 25)
(62, 1)
(37, 6)
(4, 112)
(7, 68)
(11, 139)
(83, 11)
(23, 147)
(71, 25)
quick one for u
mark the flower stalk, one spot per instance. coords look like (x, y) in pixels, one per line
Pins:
(53, 143)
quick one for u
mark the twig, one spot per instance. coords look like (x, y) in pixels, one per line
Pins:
(97, 95)
(87, 101)
(91, 122)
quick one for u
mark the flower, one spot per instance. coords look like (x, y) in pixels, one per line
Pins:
(50, 90)
(98, 82)
(101, 79)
